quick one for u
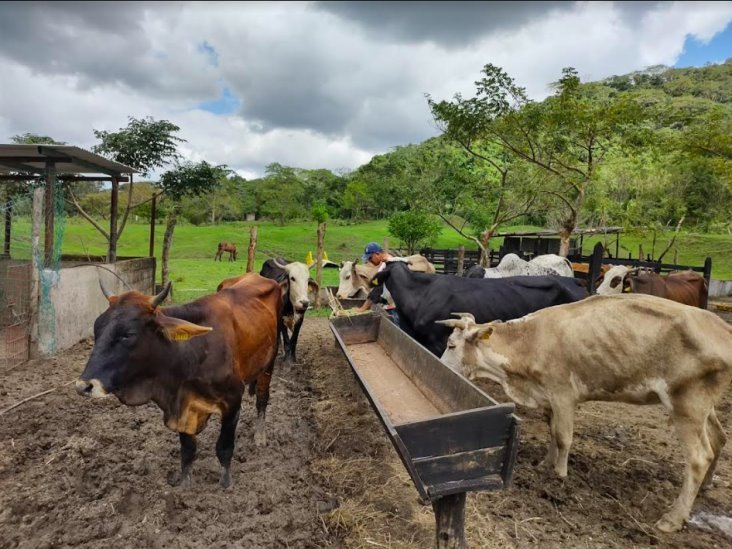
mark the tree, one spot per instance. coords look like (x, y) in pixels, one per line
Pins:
(567, 137)
(414, 228)
(479, 186)
(145, 145)
(281, 194)
(185, 180)
(35, 139)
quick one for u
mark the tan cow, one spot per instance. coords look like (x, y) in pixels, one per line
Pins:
(646, 350)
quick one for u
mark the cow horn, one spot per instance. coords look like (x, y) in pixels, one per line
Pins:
(158, 299)
(465, 316)
(452, 323)
(280, 265)
(107, 293)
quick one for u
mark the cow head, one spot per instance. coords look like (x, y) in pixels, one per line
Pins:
(353, 279)
(614, 281)
(463, 352)
(130, 338)
(298, 283)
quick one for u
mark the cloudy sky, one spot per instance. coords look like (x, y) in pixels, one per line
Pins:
(313, 84)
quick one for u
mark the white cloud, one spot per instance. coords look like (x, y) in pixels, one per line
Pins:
(317, 88)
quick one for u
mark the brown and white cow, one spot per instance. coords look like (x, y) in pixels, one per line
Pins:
(685, 287)
(191, 360)
(646, 350)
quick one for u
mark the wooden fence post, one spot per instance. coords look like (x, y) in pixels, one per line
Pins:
(461, 260)
(595, 267)
(153, 214)
(319, 261)
(707, 277)
(450, 519)
(252, 249)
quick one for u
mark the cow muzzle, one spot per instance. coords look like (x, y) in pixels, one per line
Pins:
(92, 388)
(302, 306)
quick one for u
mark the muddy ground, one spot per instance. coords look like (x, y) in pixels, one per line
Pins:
(75, 472)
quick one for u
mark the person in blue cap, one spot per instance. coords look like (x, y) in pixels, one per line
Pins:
(375, 254)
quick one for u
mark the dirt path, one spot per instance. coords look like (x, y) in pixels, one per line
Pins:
(93, 474)
(75, 472)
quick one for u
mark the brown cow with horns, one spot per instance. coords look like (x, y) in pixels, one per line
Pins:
(192, 360)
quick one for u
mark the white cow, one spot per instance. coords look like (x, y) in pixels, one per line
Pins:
(355, 276)
(612, 282)
(541, 265)
(646, 350)
(354, 279)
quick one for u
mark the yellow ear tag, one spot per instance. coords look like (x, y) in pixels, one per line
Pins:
(626, 290)
(486, 335)
(375, 282)
(181, 336)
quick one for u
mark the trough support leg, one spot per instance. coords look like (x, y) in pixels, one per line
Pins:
(450, 521)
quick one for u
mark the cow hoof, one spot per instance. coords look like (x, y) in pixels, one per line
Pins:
(225, 480)
(176, 479)
(260, 439)
(669, 524)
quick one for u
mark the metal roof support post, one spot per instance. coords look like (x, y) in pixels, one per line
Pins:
(49, 213)
(112, 252)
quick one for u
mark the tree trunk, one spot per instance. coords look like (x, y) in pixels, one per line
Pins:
(168, 240)
(483, 244)
(319, 261)
(564, 237)
(213, 211)
(461, 260)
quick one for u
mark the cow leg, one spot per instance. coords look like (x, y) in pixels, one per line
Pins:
(187, 457)
(285, 342)
(717, 439)
(562, 427)
(225, 444)
(550, 460)
(290, 357)
(689, 418)
(263, 381)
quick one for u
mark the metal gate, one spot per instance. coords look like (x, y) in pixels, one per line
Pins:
(15, 281)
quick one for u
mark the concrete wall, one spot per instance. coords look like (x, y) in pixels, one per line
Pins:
(76, 299)
(720, 288)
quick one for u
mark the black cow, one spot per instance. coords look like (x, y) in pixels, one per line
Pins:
(475, 271)
(421, 299)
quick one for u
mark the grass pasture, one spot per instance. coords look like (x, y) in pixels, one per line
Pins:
(195, 273)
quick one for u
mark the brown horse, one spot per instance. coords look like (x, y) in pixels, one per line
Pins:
(226, 247)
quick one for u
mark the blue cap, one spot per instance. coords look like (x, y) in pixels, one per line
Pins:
(371, 249)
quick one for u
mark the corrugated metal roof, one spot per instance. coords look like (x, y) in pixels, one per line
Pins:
(69, 160)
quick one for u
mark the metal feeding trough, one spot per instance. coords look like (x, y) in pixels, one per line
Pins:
(451, 436)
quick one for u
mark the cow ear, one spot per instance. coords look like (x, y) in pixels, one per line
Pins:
(627, 285)
(176, 329)
(313, 286)
(483, 332)
(341, 264)
(284, 286)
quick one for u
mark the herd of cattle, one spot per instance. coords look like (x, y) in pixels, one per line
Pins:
(529, 326)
